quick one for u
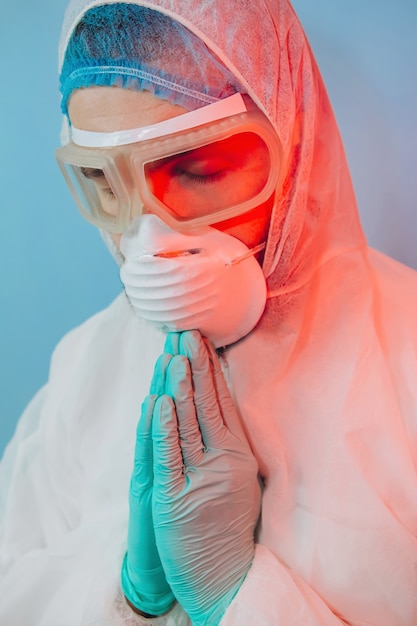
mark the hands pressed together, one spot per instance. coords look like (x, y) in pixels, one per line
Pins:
(194, 495)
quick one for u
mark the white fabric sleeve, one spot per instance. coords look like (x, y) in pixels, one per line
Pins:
(271, 595)
(25, 432)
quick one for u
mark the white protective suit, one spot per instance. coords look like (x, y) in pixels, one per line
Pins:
(326, 386)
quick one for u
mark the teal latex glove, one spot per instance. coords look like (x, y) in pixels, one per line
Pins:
(143, 579)
(206, 495)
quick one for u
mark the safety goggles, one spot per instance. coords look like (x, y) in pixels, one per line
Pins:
(199, 168)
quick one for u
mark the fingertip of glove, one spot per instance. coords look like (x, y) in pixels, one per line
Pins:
(172, 343)
(192, 344)
(164, 415)
(177, 368)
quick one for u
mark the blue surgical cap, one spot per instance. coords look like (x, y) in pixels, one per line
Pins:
(138, 48)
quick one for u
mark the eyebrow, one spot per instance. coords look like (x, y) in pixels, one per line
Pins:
(92, 172)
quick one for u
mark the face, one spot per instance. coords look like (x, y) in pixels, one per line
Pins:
(108, 109)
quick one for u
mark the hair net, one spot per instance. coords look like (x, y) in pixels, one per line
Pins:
(138, 48)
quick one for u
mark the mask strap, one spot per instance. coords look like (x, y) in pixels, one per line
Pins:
(245, 255)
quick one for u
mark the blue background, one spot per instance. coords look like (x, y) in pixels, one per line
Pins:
(55, 271)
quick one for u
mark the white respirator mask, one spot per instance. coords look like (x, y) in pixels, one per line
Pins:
(209, 281)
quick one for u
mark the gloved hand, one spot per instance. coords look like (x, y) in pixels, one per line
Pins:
(206, 495)
(143, 578)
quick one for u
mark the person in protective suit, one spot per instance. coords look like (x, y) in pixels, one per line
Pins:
(270, 475)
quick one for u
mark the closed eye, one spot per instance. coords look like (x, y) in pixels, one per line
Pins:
(199, 179)
(92, 173)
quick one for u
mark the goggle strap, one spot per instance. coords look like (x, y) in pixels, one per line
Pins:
(227, 107)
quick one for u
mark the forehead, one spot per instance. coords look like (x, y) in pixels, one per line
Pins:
(108, 109)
